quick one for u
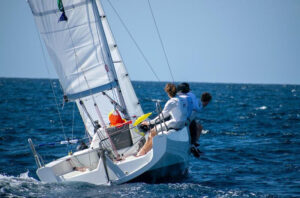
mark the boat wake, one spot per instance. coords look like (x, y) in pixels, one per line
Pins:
(18, 179)
(11, 186)
(26, 186)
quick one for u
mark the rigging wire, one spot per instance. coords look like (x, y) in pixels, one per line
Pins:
(90, 90)
(55, 98)
(134, 41)
(161, 42)
(101, 119)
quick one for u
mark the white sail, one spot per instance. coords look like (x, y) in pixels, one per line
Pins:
(75, 46)
(87, 62)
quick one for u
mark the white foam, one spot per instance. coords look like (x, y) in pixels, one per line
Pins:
(156, 100)
(204, 131)
(261, 108)
(21, 177)
(242, 117)
(24, 175)
(4, 177)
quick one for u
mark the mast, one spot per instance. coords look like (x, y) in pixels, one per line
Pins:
(132, 103)
(110, 62)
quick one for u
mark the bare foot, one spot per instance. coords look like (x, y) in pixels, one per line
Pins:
(141, 153)
(81, 169)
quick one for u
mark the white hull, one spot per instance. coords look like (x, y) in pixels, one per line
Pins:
(170, 149)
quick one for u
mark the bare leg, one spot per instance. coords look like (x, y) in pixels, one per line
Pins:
(199, 130)
(193, 131)
(148, 145)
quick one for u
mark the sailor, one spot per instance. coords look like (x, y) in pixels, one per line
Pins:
(175, 110)
(115, 118)
(182, 93)
(195, 128)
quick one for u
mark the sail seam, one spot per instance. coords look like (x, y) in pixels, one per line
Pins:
(70, 28)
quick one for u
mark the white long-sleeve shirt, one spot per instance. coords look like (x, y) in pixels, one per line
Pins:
(175, 107)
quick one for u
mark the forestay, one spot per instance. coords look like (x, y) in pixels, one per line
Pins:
(90, 69)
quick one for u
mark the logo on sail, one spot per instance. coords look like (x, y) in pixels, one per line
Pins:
(61, 8)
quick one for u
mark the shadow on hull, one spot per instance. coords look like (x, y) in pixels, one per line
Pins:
(169, 174)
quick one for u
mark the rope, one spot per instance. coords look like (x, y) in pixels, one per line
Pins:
(73, 118)
(161, 42)
(55, 99)
(134, 41)
(101, 120)
(77, 68)
(75, 53)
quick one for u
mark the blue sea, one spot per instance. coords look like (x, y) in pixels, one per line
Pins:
(250, 145)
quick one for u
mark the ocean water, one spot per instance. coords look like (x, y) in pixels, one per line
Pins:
(250, 145)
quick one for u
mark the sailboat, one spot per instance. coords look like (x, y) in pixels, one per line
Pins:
(92, 74)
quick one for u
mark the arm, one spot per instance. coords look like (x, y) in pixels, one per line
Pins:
(198, 106)
(166, 111)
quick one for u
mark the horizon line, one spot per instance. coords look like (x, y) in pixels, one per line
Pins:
(251, 83)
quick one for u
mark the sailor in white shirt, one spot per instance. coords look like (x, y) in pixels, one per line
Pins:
(175, 109)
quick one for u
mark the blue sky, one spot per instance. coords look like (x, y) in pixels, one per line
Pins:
(239, 41)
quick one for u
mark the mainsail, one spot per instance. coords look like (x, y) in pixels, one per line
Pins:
(89, 66)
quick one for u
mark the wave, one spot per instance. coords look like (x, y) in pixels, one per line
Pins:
(25, 186)
(156, 100)
(260, 120)
(261, 108)
(204, 131)
(17, 186)
(22, 177)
